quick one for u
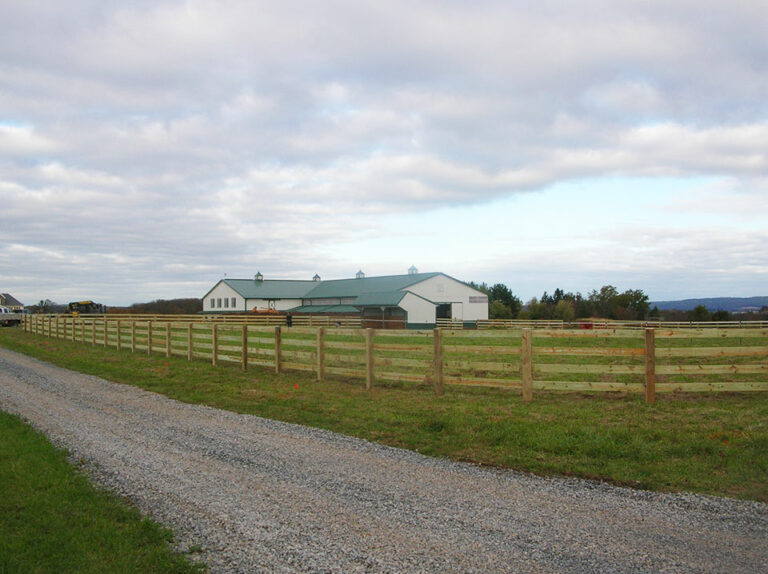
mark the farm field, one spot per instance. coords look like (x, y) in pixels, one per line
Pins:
(705, 442)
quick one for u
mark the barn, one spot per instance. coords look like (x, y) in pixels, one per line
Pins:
(8, 300)
(412, 300)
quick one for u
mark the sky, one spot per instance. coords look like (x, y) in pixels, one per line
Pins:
(150, 148)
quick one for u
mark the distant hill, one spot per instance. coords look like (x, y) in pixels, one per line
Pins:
(730, 304)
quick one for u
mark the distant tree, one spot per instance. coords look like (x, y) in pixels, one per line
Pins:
(47, 306)
(721, 315)
(610, 304)
(536, 310)
(699, 313)
(188, 306)
(631, 304)
(603, 301)
(503, 294)
(498, 310)
(565, 310)
(584, 307)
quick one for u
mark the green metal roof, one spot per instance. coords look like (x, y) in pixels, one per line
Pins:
(324, 309)
(270, 288)
(387, 299)
(357, 287)
(334, 288)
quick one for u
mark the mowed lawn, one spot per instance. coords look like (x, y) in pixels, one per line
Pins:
(706, 443)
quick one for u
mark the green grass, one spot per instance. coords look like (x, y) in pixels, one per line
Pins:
(707, 443)
(53, 520)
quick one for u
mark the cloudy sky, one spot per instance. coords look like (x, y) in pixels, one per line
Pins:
(149, 148)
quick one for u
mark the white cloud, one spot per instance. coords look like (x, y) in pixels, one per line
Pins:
(192, 137)
(20, 141)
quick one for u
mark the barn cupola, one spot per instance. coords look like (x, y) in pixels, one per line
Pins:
(316, 277)
(258, 277)
(413, 270)
(360, 275)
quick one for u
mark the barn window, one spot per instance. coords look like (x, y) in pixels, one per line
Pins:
(226, 302)
(213, 302)
(234, 302)
(218, 302)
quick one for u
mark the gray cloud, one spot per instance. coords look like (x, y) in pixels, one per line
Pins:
(158, 143)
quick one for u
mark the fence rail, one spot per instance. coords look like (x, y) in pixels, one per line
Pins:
(617, 359)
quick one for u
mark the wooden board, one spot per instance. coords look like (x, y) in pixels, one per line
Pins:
(587, 386)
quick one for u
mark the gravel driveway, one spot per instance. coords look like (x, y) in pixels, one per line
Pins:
(263, 496)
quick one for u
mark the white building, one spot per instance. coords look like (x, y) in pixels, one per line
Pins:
(412, 300)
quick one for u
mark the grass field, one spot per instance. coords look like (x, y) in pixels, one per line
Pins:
(53, 520)
(715, 444)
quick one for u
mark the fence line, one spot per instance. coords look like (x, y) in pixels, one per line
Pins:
(645, 361)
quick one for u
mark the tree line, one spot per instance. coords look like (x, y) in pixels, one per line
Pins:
(606, 303)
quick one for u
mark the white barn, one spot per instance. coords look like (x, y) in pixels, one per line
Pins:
(412, 300)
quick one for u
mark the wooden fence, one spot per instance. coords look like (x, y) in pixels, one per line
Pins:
(526, 360)
(610, 324)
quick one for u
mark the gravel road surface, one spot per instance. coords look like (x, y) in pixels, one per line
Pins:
(264, 496)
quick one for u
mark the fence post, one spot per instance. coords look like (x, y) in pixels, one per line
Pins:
(320, 354)
(369, 359)
(133, 336)
(74, 325)
(438, 357)
(190, 352)
(149, 337)
(215, 343)
(167, 339)
(277, 349)
(106, 332)
(245, 346)
(527, 366)
(650, 366)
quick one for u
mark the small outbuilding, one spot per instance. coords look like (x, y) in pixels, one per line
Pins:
(9, 301)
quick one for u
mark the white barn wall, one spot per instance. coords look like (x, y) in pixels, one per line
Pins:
(221, 291)
(419, 311)
(444, 289)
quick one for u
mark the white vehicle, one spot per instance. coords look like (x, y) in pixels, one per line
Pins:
(8, 317)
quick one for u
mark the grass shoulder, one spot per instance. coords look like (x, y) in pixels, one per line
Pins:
(53, 520)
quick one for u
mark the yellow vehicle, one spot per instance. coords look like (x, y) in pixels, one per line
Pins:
(85, 307)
